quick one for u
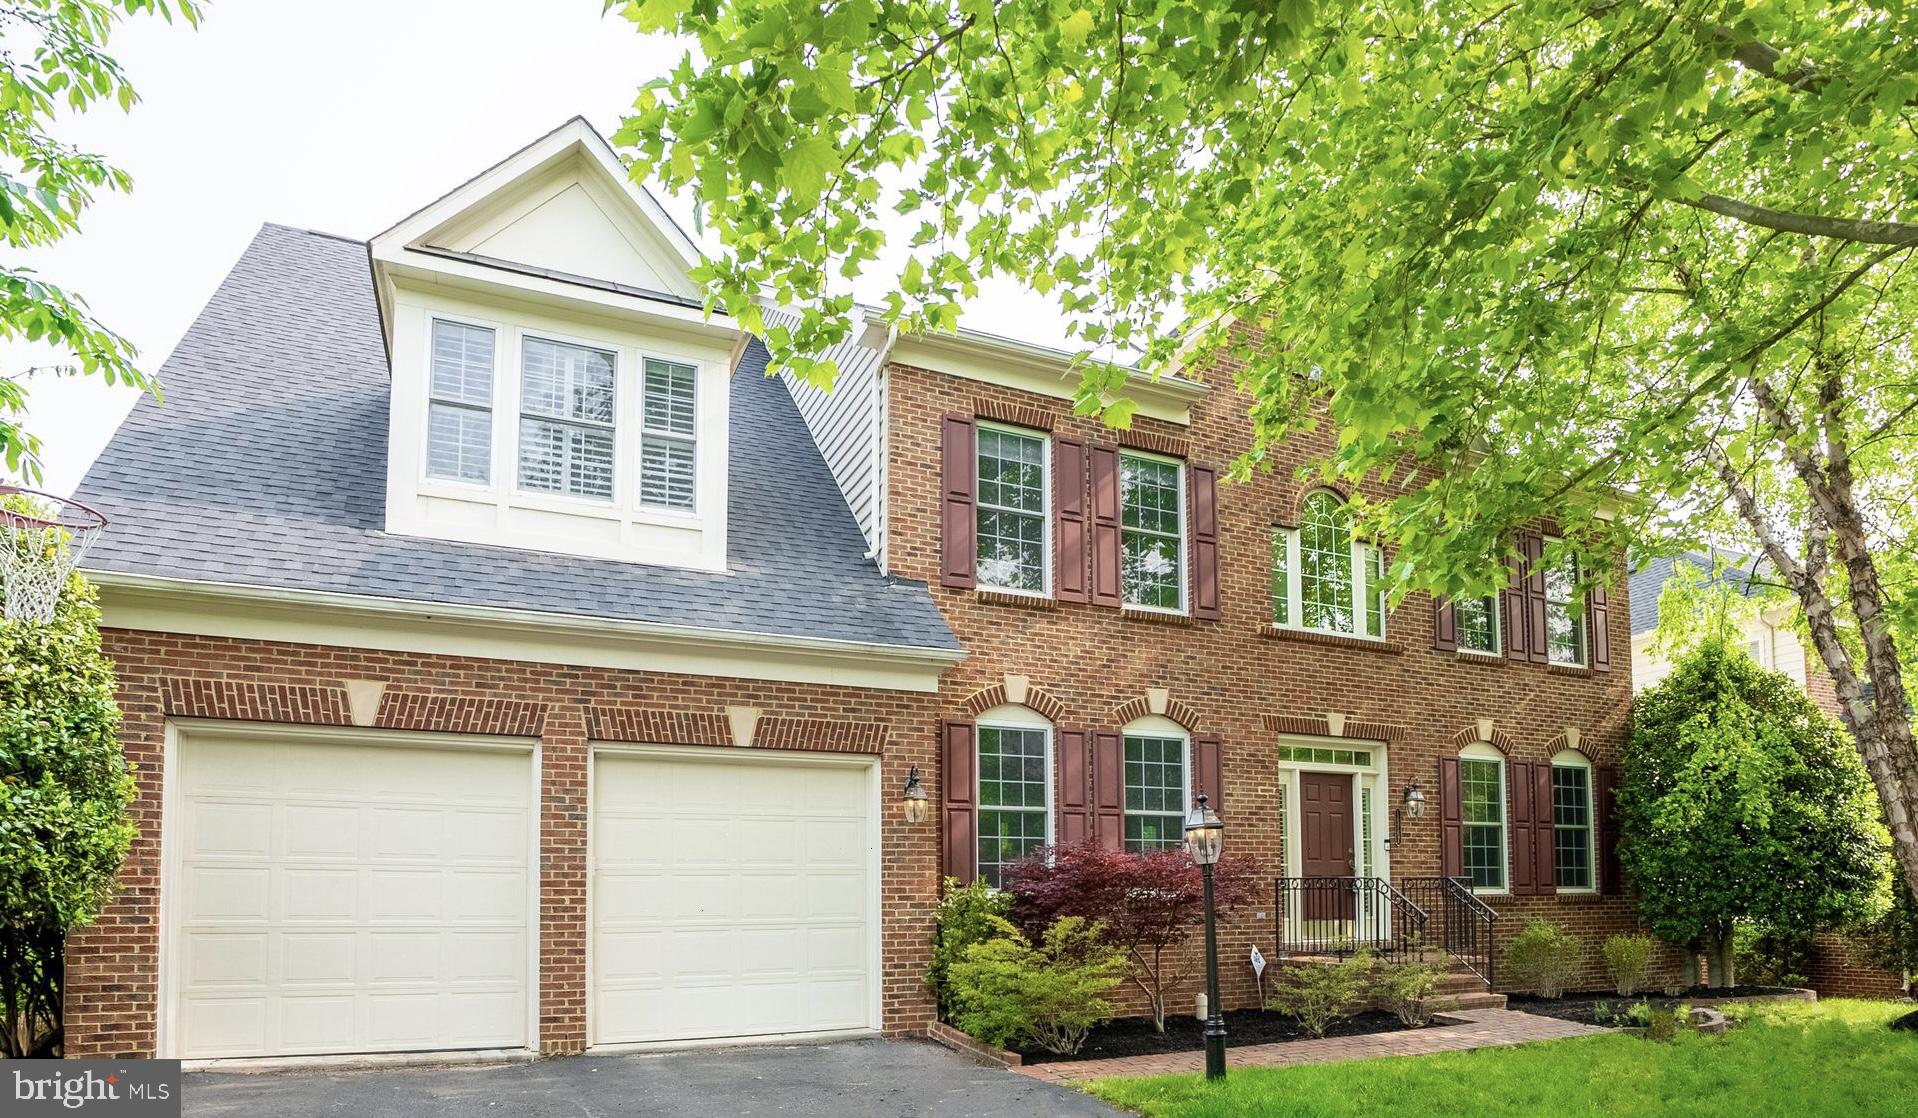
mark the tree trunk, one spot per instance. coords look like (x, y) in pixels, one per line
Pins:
(1718, 957)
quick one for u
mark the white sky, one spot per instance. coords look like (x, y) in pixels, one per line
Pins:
(342, 116)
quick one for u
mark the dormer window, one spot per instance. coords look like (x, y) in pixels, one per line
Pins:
(460, 410)
(566, 418)
(666, 458)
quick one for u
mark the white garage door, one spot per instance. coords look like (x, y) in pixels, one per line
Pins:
(331, 897)
(732, 897)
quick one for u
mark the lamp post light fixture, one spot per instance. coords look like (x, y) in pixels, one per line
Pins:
(1205, 839)
(918, 803)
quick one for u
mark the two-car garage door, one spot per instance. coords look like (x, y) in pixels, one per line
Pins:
(326, 895)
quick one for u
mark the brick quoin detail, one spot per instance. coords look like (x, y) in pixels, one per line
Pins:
(1470, 735)
(459, 714)
(1042, 702)
(255, 702)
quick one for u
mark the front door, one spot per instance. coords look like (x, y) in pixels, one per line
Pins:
(1325, 843)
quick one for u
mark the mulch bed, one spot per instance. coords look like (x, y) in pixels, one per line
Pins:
(1582, 1006)
(1134, 1036)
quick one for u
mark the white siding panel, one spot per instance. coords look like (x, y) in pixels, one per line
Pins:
(845, 426)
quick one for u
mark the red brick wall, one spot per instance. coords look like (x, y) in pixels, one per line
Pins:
(113, 967)
(1836, 972)
(1094, 660)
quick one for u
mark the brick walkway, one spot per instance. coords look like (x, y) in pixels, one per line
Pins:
(1480, 1029)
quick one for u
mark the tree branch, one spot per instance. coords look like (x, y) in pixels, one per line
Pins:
(1900, 234)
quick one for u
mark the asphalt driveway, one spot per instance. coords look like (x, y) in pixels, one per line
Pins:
(852, 1079)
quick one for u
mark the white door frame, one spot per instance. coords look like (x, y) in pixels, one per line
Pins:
(179, 730)
(1369, 782)
(719, 754)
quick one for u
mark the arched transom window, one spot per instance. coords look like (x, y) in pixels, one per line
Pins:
(1323, 578)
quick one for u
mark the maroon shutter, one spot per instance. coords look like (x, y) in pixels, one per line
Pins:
(1611, 877)
(1106, 589)
(1069, 520)
(1204, 504)
(1513, 611)
(1598, 622)
(958, 525)
(958, 791)
(1108, 788)
(1535, 644)
(1544, 844)
(1208, 756)
(1444, 625)
(1519, 825)
(1451, 828)
(1075, 787)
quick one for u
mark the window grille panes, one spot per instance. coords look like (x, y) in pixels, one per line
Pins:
(1011, 510)
(1477, 623)
(566, 419)
(666, 472)
(1311, 755)
(1375, 592)
(1282, 577)
(1366, 865)
(459, 420)
(1012, 798)
(1564, 618)
(1150, 533)
(1325, 566)
(1154, 792)
(1572, 826)
(1482, 808)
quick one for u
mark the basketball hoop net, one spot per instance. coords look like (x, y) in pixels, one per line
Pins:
(42, 538)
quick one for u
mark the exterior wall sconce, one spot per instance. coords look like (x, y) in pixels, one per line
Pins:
(1413, 804)
(918, 803)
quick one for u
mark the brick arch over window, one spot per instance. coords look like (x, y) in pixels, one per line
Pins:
(1132, 709)
(1319, 726)
(1043, 702)
(1498, 739)
(1570, 739)
(1293, 510)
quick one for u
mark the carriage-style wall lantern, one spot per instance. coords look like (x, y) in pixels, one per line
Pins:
(918, 803)
(1412, 805)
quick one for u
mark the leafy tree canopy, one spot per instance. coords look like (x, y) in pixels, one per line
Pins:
(1741, 800)
(1525, 257)
(55, 61)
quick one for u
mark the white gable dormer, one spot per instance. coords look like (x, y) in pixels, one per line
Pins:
(556, 384)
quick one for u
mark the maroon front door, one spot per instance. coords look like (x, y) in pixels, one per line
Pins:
(1325, 843)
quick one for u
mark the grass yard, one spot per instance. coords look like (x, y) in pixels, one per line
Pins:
(1793, 1060)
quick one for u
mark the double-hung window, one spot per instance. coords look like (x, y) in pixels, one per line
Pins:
(1152, 532)
(1564, 614)
(566, 418)
(1155, 791)
(1477, 624)
(1325, 580)
(1482, 818)
(459, 409)
(1572, 846)
(1012, 511)
(666, 439)
(1014, 796)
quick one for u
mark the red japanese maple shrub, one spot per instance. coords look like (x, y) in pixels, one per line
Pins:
(1149, 903)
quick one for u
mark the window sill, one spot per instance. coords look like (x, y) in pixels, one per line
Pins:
(1337, 640)
(1483, 659)
(1159, 617)
(1569, 669)
(1014, 598)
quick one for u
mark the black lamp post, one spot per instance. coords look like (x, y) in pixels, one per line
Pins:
(1205, 839)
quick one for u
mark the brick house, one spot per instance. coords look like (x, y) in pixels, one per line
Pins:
(509, 664)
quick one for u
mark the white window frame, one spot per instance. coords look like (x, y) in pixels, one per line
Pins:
(615, 496)
(1484, 751)
(434, 400)
(1155, 726)
(1572, 759)
(1497, 651)
(647, 431)
(1022, 719)
(1295, 591)
(1045, 506)
(1184, 533)
(1580, 615)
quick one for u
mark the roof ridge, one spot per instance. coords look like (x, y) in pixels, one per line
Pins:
(312, 232)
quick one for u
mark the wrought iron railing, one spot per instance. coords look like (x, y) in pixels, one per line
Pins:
(1465, 926)
(1337, 915)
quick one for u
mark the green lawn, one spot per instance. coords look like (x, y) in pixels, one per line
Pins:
(1795, 1061)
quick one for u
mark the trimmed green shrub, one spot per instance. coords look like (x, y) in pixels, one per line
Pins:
(968, 914)
(1410, 992)
(1543, 958)
(1629, 959)
(1319, 994)
(1010, 993)
(64, 793)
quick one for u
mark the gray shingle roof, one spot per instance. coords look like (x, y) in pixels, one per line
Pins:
(1649, 580)
(267, 467)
